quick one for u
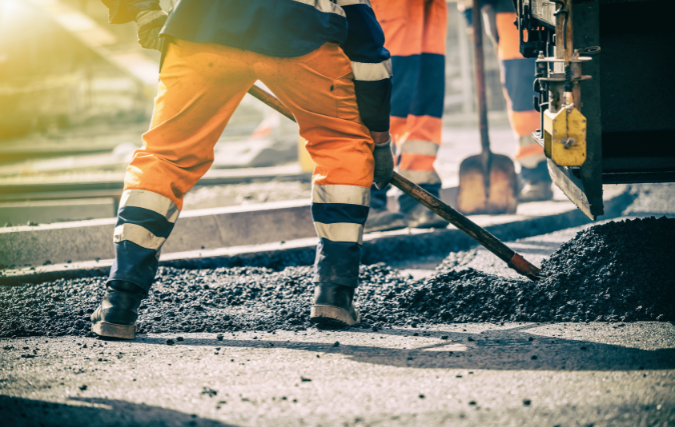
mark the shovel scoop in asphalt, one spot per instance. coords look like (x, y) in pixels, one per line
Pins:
(487, 182)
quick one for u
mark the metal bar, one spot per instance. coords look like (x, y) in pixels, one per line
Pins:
(586, 191)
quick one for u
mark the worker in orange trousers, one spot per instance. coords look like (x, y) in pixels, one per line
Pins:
(324, 60)
(415, 34)
(517, 75)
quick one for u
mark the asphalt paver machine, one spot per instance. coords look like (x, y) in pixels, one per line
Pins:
(605, 91)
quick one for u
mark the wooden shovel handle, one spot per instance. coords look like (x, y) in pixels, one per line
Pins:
(271, 101)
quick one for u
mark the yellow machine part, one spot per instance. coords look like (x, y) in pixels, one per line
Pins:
(565, 126)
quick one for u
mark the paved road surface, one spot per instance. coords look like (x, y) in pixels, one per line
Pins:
(514, 374)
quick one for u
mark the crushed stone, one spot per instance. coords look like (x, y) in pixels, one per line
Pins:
(618, 271)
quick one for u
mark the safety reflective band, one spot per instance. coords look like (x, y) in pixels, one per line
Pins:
(372, 72)
(150, 201)
(416, 146)
(138, 235)
(347, 194)
(421, 177)
(353, 2)
(325, 6)
(348, 225)
(340, 232)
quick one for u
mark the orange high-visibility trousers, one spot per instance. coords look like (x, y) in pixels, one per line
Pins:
(415, 34)
(201, 84)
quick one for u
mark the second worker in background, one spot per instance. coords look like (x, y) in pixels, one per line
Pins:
(415, 33)
(517, 75)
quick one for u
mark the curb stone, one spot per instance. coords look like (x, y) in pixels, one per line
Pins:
(377, 247)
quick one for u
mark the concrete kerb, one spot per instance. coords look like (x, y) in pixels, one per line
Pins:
(12, 186)
(377, 247)
(195, 230)
(50, 211)
(76, 241)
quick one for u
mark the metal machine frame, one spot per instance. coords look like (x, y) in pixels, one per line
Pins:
(607, 124)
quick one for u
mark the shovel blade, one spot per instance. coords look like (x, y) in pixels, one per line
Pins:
(502, 194)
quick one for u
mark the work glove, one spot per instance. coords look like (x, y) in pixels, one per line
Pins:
(150, 23)
(384, 164)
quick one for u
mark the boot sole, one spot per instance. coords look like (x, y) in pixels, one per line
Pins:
(112, 330)
(526, 199)
(435, 224)
(398, 225)
(328, 315)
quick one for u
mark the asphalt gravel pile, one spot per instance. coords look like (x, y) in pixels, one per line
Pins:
(619, 271)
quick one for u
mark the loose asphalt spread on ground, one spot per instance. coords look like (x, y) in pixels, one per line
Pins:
(232, 346)
(598, 275)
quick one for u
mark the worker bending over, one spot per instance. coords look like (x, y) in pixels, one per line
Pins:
(324, 60)
(415, 35)
(517, 74)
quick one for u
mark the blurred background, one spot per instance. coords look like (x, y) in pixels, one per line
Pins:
(76, 94)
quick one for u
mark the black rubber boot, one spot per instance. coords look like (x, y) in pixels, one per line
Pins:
(536, 191)
(423, 217)
(333, 306)
(535, 183)
(418, 215)
(384, 220)
(379, 218)
(117, 314)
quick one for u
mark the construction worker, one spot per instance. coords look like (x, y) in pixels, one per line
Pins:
(517, 75)
(415, 33)
(324, 60)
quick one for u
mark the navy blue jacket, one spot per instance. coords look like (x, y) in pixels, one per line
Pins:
(287, 28)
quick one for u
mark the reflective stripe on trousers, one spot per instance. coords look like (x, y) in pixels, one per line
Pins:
(145, 220)
(339, 212)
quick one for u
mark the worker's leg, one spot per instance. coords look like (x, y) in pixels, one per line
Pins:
(518, 78)
(200, 86)
(415, 33)
(419, 147)
(403, 24)
(318, 88)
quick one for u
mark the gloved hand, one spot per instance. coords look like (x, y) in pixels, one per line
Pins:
(150, 23)
(384, 164)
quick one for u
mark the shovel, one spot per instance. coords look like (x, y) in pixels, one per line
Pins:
(487, 182)
(476, 232)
